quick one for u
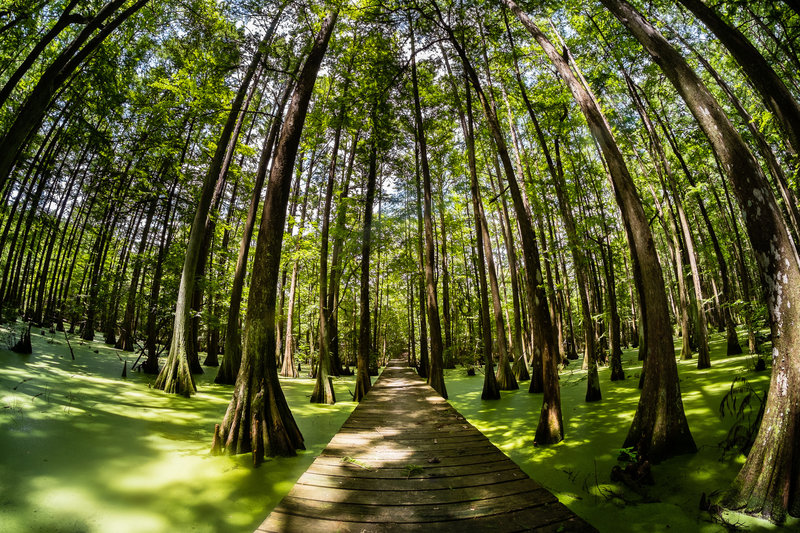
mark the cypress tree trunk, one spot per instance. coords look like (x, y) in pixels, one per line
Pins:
(491, 390)
(593, 392)
(768, 484)
(258, 419)
(424, 361)
(176, 375)
(520, 366)
(363, 383)
(233, 339)
(126, 340)
(776, 96)
(150, 364)
(680, 222)
(727, 296)
(66, 18)
(447, 321)
(323, 389)
(336, 265)
(436, 374)
(288, 368)
(550, 429)
(659, 428)
(30, 114)
(505, 377)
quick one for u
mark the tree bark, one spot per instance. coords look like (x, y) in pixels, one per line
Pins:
(233, 338)
(491, 389)
(323, 389)
(768, 484)
(336, 267)
(176, 376)
(550, 429)
(436, 373)
(126, 340)
(659, 429)
(30, 114)
(67, 18)
(776, 96)
(363, 382)
(258, 419)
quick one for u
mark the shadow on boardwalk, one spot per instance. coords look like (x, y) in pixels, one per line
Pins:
(405, 460)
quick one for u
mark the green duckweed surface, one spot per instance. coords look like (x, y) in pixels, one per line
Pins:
(84, 450)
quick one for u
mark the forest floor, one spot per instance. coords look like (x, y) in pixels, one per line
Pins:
(84, 450)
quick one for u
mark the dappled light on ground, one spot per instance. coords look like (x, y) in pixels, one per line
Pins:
(85, 450)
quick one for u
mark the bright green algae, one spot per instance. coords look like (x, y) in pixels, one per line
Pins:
(85, 450)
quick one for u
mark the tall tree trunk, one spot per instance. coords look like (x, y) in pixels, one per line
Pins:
(29, 116)
(424, 360)
(659, 428)
(768, 484)
(436, 374)
(336, 266)
(150, 364)
(682, 225)
(258, 418)
(323, 388)
(233, 338)
(363, 383)
(550, 429)
(126, 340)
(176, 375)
(447, 322)
(727, 296)
(288, 368)
(776, 96)
(491, 390)
(593, 392)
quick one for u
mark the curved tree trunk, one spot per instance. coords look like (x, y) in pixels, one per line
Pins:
(323, 388)
(491, 390)
(363, 383)
(258, 419)
(550, 428)
(126, 340)
(30, 114)
(659, 428)
(768, 484)
(337, 267)
(229, 367)
(176, 376)
(776, 96)
(424, 359)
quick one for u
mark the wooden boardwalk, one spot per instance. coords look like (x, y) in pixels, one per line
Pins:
(406, 460)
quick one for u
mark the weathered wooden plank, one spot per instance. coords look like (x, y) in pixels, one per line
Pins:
(544, 519)
(413, 482)
(410, 440)
(444, 468)
(409, 456)
(428, 495)
(351, 512)
(459, 460)
(381, 446)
